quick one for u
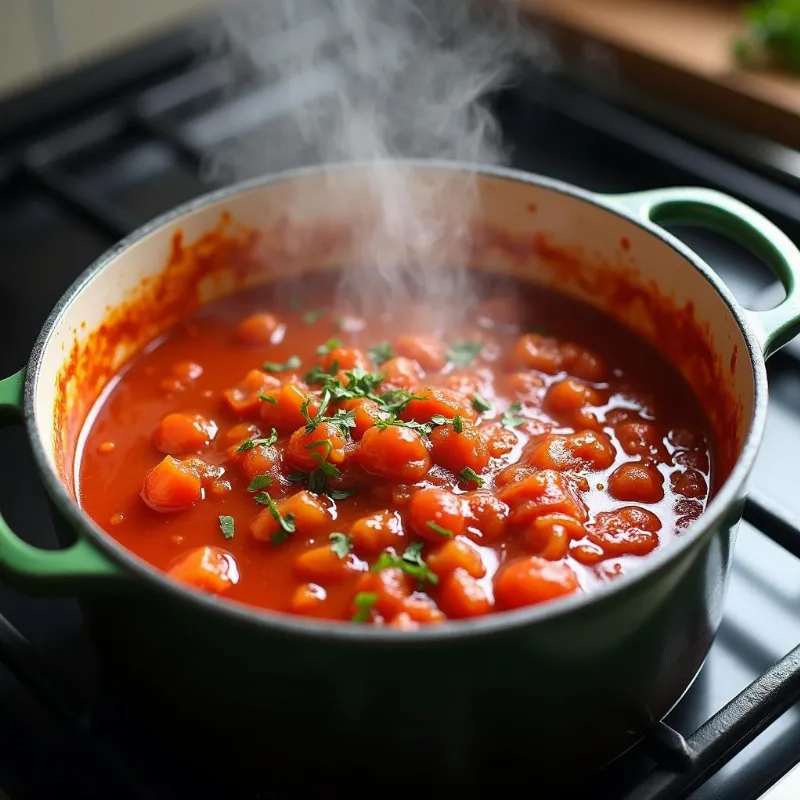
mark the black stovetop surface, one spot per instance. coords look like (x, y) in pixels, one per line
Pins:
(89, 158)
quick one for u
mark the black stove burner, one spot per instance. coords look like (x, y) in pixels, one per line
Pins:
(86, 159)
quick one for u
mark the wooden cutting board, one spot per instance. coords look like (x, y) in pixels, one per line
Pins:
(680, 49)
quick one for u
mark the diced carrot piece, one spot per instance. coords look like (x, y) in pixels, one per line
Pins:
(569, 396)
(637, 483)
(457, 553)
(259, 460)
(376, 532)
(533, 580)
(285, 415)
(513, 474)
(367, 413)
(307, 598)
(309, 515)
(549, 535)
(428, 351)
(257, 329)
(186, 371)
(435, 514)
(393, 588)
(542, 353)
(461, 596)
(305, 449)
(170, 486)
(401, 373)
(498, 439)
(455, 451)
(427, 403)
(689, 483)
(585, 449)
(208, 568)
(243, 400)
(395, 453)
(403, 622)
(627, 531)
(545, 492)
(583, 363)
(345, 358)
(488, 516)
(207, 473)
(639, 438)
(181, 433)
(323, 565)
(242, 431)
(423, 610)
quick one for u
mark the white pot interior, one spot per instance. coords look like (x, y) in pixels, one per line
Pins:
(312, 221)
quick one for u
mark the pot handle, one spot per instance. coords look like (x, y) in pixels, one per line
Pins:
(726, 215)
(31, 568)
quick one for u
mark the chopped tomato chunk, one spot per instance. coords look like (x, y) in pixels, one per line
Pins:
(208, 568)
(171, 486)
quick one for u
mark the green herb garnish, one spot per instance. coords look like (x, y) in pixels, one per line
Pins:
(340, 494)
(262, 498)
(293, 362)
(381, 353)
(480, 404)
(310, 317)
(268, 398)
(331, 344)
(226, 526)
(341, 544)
(511, 418)
(259, 482)
(249, 444)
(468, 474)
(364, 602)
(312, 422)
(773, 36)
(396, 400)
(462, 354)
(411, 562)
(436, 528)
(286, 523)
(424, 428)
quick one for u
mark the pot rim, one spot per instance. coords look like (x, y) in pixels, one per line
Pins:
(288, 624)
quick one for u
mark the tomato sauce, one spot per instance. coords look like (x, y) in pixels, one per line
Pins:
(388, 472)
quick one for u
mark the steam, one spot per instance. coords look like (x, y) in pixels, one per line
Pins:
(411, 80)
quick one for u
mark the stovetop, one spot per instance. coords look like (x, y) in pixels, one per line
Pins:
(86, 159)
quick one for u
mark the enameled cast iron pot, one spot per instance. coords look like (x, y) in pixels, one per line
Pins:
(550, 691)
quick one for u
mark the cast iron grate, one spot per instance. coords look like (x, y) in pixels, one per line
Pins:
(140, 92)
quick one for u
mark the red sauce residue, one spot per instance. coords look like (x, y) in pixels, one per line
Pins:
(734, 357)
(532, 207)
(625, 243)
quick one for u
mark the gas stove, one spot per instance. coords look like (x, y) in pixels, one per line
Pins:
(89, 157)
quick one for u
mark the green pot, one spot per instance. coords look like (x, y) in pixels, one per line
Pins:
(546, 693)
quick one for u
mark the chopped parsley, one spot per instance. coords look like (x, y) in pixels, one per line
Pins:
(462, 354)
(511, 418)
(268, 398)
(381, 353)
(436, 528)
(340, 494)
(226, 526)
(293, 362)
(259, 482)
(364, 602)
(312, 422)
(341, 544)
(424, 428)
(262, 498)
(249, 444)
(310, 317)
(360, 383)
(411, 562)
(457, 422)
(331, 344)
(468, 474)
(286, 523)
(480, 404)
(396, 400)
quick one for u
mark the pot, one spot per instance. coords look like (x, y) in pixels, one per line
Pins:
(546, 693)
